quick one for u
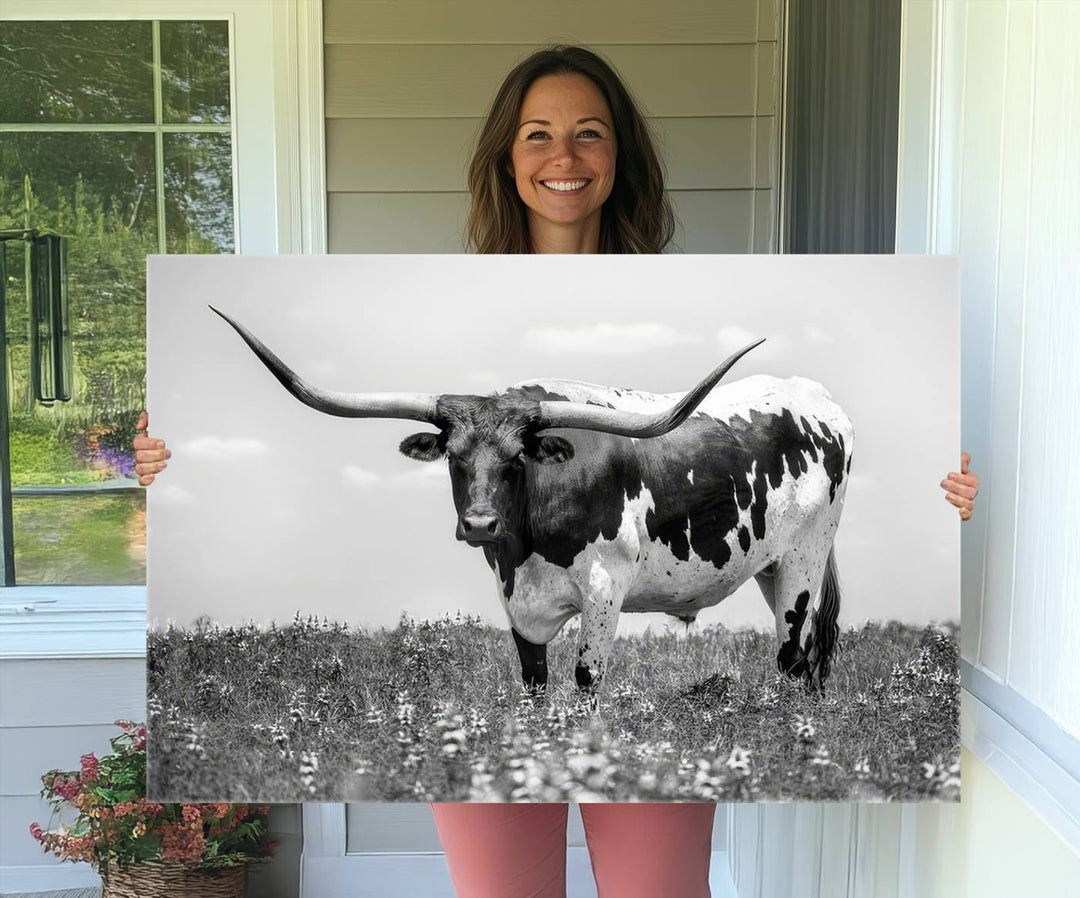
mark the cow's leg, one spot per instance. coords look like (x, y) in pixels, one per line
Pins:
(796, 587)
(601, 604)
(533, 657)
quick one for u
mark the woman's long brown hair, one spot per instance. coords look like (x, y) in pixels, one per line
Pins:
(637, 216)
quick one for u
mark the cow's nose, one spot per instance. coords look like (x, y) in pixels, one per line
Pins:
(479, 528)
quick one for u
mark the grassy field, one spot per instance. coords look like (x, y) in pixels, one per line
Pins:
(435, 710)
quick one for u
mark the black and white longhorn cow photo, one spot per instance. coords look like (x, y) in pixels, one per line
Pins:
(320, 626)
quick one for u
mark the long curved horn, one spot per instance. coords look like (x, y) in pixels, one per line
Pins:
(634, 424)
(414, 406)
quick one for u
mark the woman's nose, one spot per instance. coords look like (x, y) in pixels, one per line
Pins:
(564, 150)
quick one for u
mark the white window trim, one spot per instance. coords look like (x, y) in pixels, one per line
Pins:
(280, 196)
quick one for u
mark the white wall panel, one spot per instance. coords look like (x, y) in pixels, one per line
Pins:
(1046, 626)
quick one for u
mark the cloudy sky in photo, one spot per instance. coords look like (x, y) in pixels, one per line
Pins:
(268, 507)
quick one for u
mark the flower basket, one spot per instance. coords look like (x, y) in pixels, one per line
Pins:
(144, 849)
(174, 881)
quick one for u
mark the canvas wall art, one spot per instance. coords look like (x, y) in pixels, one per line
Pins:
(549, 528)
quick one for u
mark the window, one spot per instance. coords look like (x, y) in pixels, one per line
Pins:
(118, 136)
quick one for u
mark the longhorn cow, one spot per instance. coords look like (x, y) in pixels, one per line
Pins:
(592, 500)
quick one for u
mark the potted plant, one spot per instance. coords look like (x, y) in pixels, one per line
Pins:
(142, 848)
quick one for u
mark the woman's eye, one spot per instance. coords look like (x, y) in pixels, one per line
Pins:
(536, 135)
(589, 132)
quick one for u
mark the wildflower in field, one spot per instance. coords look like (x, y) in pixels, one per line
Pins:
(708, 781)
(589, 763)
(804, 729)
(820, 757)
(309, 766)
(375, 716)
(478, 724)
(862, 767)
(280, 739)
(941, 777)
(481, 785)
(406, 710)
(193, 742)
(738, 762)
(452, 729)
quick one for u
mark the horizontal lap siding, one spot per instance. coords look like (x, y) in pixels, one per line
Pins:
(408, 83)
(421, 81)
(525, 22)
(53, 712)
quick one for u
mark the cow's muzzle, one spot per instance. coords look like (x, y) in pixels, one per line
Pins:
(479, 527)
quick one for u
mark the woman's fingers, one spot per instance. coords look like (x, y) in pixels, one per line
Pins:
(959, 501)
(151, 467)
(961, 485)
(150, 453)
(156, 452)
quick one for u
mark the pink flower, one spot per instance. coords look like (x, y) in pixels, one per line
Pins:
(150, 808)
(192, 814)
(89, 768)
(36, 831)
(66, 789)
(181, 842)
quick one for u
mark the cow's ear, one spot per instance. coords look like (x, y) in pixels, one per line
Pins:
(423, 446)
(550, 450)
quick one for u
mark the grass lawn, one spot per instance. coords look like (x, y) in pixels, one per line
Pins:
(81, 539)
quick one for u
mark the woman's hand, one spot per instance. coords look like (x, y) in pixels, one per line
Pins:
(961, 488)
(150, 453)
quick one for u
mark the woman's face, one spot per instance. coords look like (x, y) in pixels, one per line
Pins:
(563, 154)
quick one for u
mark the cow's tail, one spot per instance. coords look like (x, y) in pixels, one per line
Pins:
(825, 631)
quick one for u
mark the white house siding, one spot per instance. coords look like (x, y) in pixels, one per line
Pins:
(408, 82)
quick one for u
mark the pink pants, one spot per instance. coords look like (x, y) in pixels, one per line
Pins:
(519, 850)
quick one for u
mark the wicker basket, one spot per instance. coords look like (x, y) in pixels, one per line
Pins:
(174, 881)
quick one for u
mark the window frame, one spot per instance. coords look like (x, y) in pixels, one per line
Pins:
(276, 89)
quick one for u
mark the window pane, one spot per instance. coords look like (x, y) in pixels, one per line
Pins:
(98, 190)
(195, 71)
(76, 72)
(81, 540)
(198, 193)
